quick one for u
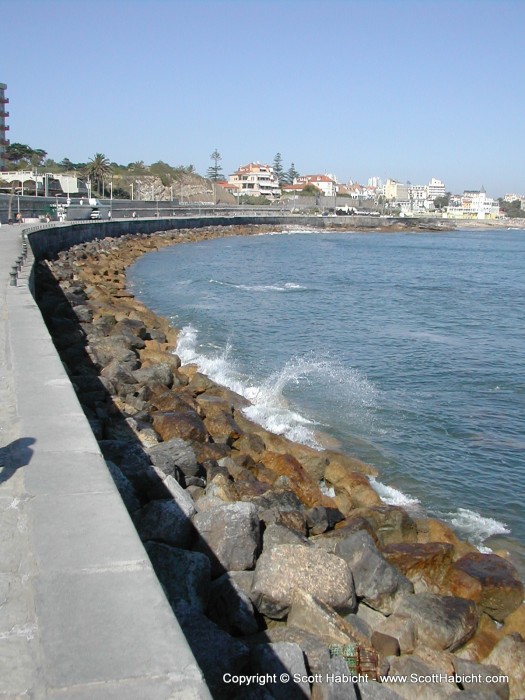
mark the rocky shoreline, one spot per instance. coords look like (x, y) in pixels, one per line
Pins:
(276, 558)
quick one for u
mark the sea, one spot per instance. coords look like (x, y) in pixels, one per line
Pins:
(406, 350)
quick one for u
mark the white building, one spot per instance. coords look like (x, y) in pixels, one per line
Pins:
(326, 183)
(255, 180)
(375, 182)
(473, 204)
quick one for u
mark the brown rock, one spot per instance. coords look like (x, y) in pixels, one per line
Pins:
(182, 424)
(301, 482)
(432, 530)
(354, 485)
(392, 524)
(489, 580)
(509, 656)
(311, 615)
(425, 565)
(515, 622)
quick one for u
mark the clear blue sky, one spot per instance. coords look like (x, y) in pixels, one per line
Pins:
(408, 89)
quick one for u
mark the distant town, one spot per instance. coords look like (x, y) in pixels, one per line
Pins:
(28, 171)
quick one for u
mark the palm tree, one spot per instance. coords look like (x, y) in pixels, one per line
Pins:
(98, 168)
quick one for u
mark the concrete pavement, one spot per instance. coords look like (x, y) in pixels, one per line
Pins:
(82, 614)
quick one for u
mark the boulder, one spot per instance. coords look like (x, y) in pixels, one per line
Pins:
(402, 629)
(426, 565)
(353, 486)
(509, 656)
(428, 686)
(283, 507)
(119, 376)
(489, 580)
(377, 582)
(125, 487)
(229, 535)
(216, 652)
(319, 519)
(282, 659)
(154, 375)
(165, 521)
(230, 607)
(442, 622)
(186, 425)
(276, 534)
(311, 615)
(392, 524)
(184, 575)
(475, 677)
(199, 383)
(106, 349)
(284, 568)
(173, 456)
(300, 482)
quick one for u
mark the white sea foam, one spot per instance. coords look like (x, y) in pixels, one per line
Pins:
(269, 406)
(475, 527)
(288, 286)
(392, 496)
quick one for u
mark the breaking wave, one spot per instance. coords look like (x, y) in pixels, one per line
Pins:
(269, 406)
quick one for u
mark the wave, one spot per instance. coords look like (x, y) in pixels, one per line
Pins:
(393, 497)
(261, 287)
(269, 406)
(475, 527)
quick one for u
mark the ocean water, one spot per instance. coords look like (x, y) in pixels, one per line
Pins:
(406, 350)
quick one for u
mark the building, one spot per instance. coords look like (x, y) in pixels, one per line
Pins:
(326, 183)
(435, 188)
(3, 126)
(255, 180)
(473, 204)
(396, 191)
(47, 184)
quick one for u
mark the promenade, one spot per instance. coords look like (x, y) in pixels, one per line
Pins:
(82, 615)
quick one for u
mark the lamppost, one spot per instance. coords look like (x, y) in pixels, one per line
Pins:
(131, 191)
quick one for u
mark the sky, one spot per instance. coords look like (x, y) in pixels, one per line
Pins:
(406, 89)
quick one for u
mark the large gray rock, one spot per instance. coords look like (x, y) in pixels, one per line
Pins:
(173, 455)
(116, 347)
(164, 521)
(230, 606)
(184, 575)
(442, 622)
(229, 535)
(313, 616)
(216, 652)
(285, 568)
(333, 684)
(276, 534)
(480, 678)
(429, 683)
(377, 582)
(376, 691)
(278, 659)
(156, 374)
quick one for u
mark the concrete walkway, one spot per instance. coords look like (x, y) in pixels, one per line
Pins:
(82, 614)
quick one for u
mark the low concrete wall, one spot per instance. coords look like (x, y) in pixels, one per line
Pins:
(47, 240)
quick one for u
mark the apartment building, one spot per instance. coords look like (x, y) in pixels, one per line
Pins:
(3, 126)
(396, 191)
(255, 180)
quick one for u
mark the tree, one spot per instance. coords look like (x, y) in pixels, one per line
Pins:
(97, 169)
(17, 152)
(291, 174)
(215, 170)
(310, 191)
(442, 202)
(512, 209)
(278, 168)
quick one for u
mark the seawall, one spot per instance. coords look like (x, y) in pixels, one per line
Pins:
(82, 613)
